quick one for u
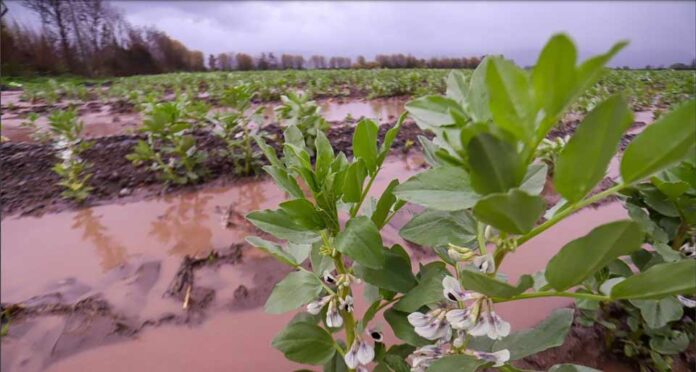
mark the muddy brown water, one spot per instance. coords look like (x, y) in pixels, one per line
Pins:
(101, 121)
(127, 254)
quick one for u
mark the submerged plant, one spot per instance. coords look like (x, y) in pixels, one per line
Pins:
(72, 169)
(170, 149)
(482, 200)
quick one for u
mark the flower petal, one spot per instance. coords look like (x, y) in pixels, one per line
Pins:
(365, 353)
(419, 319)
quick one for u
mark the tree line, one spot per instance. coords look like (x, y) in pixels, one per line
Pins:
(89, 37)
(270, 61)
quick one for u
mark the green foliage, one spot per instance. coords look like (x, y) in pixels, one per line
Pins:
(483, 203)
(237, 128)
(72, 169)
(170, 148)
(297, 110)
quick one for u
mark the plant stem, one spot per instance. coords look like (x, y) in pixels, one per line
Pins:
(585, 296)
(356, 208)
(481, 239)
(568, 211)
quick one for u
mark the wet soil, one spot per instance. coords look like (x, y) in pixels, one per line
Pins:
(30, 186)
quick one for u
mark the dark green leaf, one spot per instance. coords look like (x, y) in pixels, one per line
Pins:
(514, 212)
(535, 179)
(297, 289)
(365, 144)
(280, 225)
(659, 281)
(284, 181)
(360, 240)
(457, 363)
(305, 343)
(442, 188)
(585, 159)
(272, 249)
(396, 275)
(439, 228)
(428, 290)
(353, 183)
(495, 165)
(482, 283)
(549, 333)
(384, 204)
(582, 257)
(666, 141)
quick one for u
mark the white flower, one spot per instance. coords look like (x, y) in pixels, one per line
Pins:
(376, 335)
(689, 250)
(333, 317)
(490, 324)
(485, 263)
(686, 301)
(499, 357)
(423, 357)
(453, 291)
(460, 318)
(432, 325)
(329, 278)
(360, 353)
(346, 304)
(315, 307)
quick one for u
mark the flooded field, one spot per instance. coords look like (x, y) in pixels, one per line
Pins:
(128, 254)
(107, 119)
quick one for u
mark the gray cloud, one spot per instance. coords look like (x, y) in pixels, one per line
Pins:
(660, 32)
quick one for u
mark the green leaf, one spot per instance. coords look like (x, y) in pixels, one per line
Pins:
(673, 344)
(659, 281)
(554, 76)
(336, 364)
(284, 181)
(272, 249)
(389, 138)
(297, 289)
(457, 86)
(269, 152)
(305, 343)
(428, 290)
(535, 179)
(303, 213)
(666, 141)
(549, 333)
(585, 159)
(582, 257)
(658, 313)
(514, 212)
(360, 240)
(299, 251)
(432, 111)
(482, 283)
(353, 183)
(365, 144)
(478, 96)
(396, 275)
(510, 100)
(571, 368)
(325, 155)
(384, 204)
(457, 363)
(439, 228)
(442, 188)
(495, 165)
(403, 329)
(280, 225)
(320, 262)
(293, 135)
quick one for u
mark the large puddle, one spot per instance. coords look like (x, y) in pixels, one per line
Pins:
(129, 253)
(100, 121)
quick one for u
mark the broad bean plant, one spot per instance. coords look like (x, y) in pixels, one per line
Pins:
(482, 202)
(299, 111)
(66, 130)
(237, 126)
(170, 148)
(653, 331)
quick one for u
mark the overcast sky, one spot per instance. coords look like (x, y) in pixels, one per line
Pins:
(661, 33)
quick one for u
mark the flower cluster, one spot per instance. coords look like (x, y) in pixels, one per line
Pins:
(468, 313)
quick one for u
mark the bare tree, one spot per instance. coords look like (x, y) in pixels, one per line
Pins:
(53, 13)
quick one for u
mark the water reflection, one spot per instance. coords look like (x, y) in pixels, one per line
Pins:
(185, 223)
(111, 252)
